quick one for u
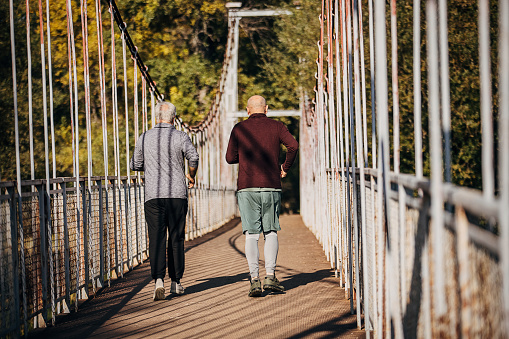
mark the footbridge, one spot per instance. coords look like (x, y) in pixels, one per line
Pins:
(375, 252)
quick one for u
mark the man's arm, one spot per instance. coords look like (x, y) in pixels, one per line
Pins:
(191, 175)
(137, 162)
(292, 146)
(191, 154)
(232, 152)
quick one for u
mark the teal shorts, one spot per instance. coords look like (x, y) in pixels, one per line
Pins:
(259, 211)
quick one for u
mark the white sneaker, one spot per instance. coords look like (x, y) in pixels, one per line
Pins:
(159, 290)
(176, 288)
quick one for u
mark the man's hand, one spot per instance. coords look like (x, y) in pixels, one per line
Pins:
(191, 181)
(283, 173)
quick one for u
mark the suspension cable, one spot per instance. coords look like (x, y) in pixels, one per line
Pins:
(134, 51)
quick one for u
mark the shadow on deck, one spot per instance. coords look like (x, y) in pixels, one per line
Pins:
(216, 304)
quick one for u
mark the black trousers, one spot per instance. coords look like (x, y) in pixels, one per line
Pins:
(166, 219)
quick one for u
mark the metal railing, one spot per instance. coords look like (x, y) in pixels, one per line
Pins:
(93, 241)
(418, 257)
(61, 239)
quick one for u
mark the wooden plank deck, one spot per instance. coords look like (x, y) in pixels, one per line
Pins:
(216, 304)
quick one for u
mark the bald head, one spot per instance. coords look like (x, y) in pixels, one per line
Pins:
(256, 104)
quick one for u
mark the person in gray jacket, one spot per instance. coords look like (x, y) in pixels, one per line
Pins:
(161, 153)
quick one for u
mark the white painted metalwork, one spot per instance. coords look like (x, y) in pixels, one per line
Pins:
(427, 265)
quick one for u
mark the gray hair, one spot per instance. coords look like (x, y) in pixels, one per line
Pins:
(165, 111)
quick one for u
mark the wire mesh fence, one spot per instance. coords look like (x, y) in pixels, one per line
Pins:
(88, 249)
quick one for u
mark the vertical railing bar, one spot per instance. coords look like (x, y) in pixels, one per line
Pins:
(127, 198)
(102, 79)
(115, 224)
(395, 89)
(138, 234)
(50, 82)
(30, 106)
(359, 122)
(373, 163)
(383, 139)
(108, 245)
(330, 138)
(13, 202)
(418, 155)
(363, 84)
(101, 233)
(504, 151)
(399, 236)
(353, 88)
(46, 220)
(116, 148)
(373, 86)
(18, 171)
(130, 182)
(417, 89)
(86, 233)
(78, 239)
(127, 221)
(444, 86)
(43, 249)
(49, 223)
(66, 249)
(152, 107)
(4, 275)
(488, 186)
(332, 133)
(74, 128)
(436, 160)
(86, 71)
(351, 175)
(346, 182)
(463, 271)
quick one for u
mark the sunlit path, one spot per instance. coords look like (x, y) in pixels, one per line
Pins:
(216, 304)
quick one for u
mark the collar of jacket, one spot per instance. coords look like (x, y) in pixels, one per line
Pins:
(257, 115)
(164, 125)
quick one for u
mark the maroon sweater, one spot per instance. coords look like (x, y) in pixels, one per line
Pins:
(254, 145)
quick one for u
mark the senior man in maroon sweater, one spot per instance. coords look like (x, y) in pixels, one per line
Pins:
(254, 144)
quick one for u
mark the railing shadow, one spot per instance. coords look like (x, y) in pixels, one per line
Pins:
(411, 314)
(94, 312)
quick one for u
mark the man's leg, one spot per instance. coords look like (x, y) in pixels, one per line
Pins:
(252, 254)
(271, 203)
(271, 283)
(270, 250)
(176, 229)
(155, 216)
(249, 207)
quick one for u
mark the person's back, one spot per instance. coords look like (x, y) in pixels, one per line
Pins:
(257, 149)
(164, 151)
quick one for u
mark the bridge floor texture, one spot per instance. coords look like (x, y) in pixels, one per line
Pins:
(215, 303)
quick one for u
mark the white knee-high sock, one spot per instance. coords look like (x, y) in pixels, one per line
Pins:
(270, 252)
(252, 254)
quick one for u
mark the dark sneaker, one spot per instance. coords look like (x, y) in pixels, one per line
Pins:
(270, 283)
(256, 288)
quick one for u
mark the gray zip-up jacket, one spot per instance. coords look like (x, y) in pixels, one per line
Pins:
(160, 152)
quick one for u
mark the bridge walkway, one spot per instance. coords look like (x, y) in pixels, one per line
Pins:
(216, 304)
